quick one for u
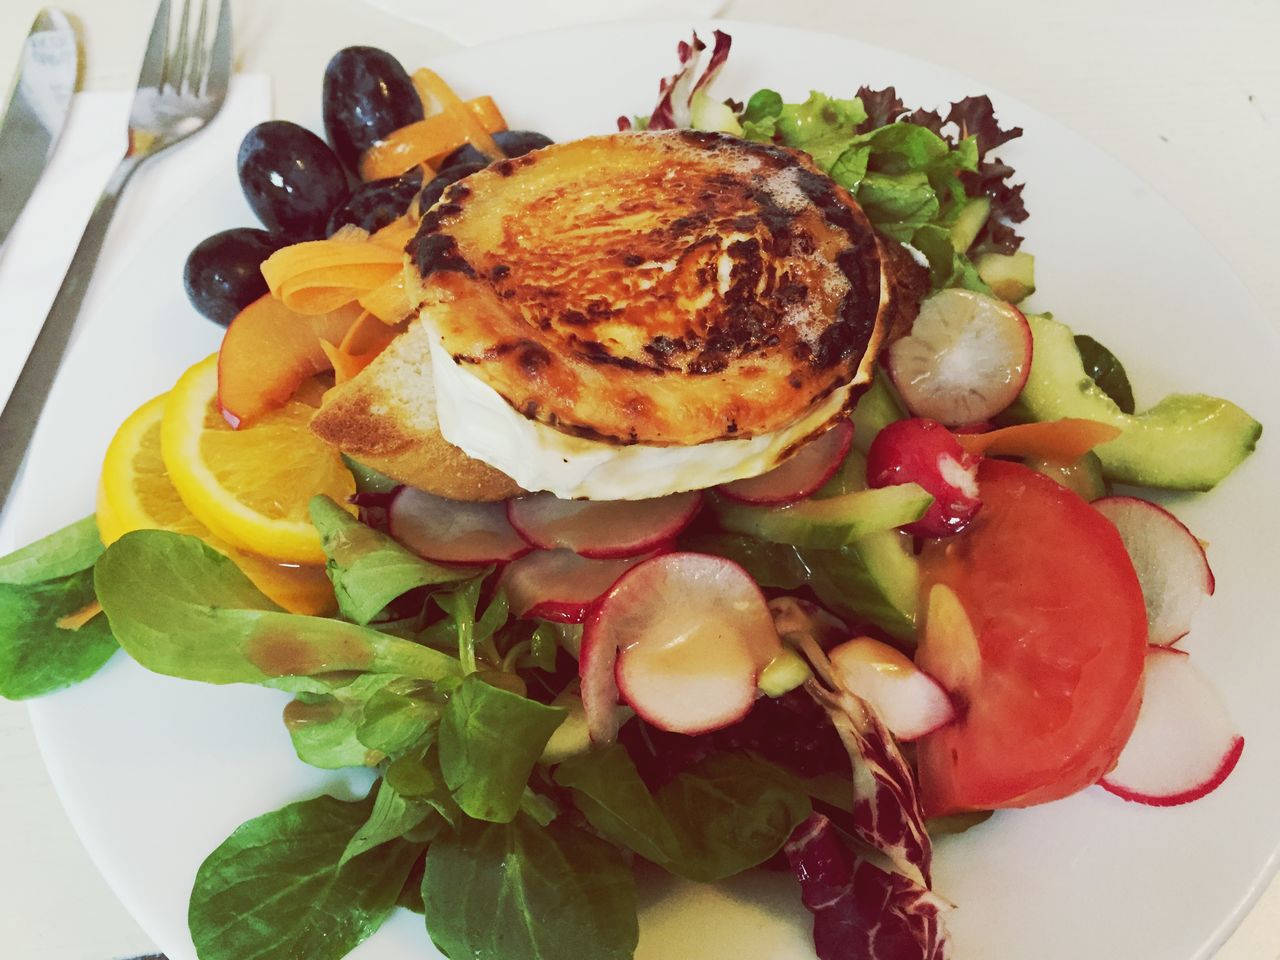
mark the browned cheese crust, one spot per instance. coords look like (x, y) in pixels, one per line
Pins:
(657, 288)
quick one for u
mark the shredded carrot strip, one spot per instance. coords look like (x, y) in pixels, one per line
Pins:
(1064, 440)
(322, 275)
(396, 234)
(388, 302)
(368, 335)
(477, 135)
(429, 140)
(74, 621)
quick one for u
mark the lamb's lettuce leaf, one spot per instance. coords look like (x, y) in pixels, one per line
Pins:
(46, 594)
(520, 891)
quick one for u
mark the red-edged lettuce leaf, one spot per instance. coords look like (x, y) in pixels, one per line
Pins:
(887, 815)
(860, 911)
(675, 93)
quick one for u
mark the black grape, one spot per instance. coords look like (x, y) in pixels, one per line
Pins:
(222, 274)
(445, 176)
(291, 178)
(377, 203)
(514, 143)
(367, 95)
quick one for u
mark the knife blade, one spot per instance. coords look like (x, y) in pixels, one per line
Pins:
(37, 110)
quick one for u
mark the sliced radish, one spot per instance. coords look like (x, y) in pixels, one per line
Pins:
(925, 452)
(1170, 562)
(559, 585)
(801, 476)
(453, 531)
(680, 638)
(908, 700)
(602, 529)
(966, 359)
(1184, 745)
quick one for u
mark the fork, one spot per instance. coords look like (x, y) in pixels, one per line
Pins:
(181, 87)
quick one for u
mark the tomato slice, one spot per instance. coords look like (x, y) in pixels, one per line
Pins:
(1035, 623)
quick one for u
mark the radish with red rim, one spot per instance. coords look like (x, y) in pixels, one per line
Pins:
(909, 701)
(559, 585)
(602, 529)
(801, 476)
(1184, 745)
(1170, 562)
(927, 453)
(453, 531)
(966, 358)
(681, 639)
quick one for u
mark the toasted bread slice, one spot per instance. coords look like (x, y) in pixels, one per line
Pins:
(385, 417)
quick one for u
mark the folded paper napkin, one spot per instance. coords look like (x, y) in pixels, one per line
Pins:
(34, 259)
(472, 23)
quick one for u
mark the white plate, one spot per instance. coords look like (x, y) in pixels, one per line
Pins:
(156, 772)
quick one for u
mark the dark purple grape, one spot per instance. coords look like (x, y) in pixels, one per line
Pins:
(443, 178)
(377, 203)
(367, 95)
(514, 143)
(291, 178)
(222, 274)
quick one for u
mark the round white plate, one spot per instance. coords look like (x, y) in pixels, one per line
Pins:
(156, 772)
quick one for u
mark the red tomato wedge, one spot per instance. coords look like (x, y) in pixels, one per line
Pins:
(1035, 625)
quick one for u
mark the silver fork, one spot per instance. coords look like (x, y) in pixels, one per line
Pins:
(181, 88)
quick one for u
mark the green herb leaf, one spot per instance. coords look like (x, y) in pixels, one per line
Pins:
(70, 550)
(543, 646)
(519, 891)
(947, 268)
(180, 608)
(368, 568)
(369, 480)
(392, 817)
(899, 203)
(399, 715)
(273, 890)
(39, 586)
(728, 814)
(490, 740)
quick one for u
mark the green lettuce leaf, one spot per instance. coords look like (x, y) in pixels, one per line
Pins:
(180, 608)
(822, 126)
(519, 891)
(323, 726)
(274, 889)
(369, 569)
(729, 813)
(391, 818)
(40, 585)
(490, 740)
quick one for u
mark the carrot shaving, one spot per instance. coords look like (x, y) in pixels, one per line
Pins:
(430, 140)
(320, 276)
(1065, 440)
(368, 335)
(477, 135)
(74, 621)
(397, 233)
(388, 302)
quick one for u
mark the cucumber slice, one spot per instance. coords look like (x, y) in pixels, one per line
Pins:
(1011, 276)
(1083, 477)
(969, 223)
(878, 407)
(1185, 442)
(830, 523)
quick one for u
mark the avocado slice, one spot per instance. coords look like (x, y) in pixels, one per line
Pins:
(969, 223)
(1011, 276)
(1185, 442)
(829, 523)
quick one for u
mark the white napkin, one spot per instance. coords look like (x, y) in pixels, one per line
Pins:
(471, 21)
(35, 256)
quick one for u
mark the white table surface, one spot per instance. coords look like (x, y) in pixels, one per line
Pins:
(1187, 94)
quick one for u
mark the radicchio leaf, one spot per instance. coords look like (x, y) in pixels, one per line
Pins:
(674, 108)
(858, 909)
(886, 805)
(883, 107)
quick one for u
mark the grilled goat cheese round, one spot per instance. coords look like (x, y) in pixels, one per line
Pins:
(628, 315)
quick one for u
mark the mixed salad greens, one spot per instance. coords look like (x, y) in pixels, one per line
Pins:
(494, 813)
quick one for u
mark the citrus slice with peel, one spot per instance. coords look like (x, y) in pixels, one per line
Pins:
(135, 493)
(251, 486)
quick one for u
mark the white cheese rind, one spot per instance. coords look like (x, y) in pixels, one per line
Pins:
(475, 417)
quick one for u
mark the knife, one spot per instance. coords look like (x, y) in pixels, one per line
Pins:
(37, 110)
